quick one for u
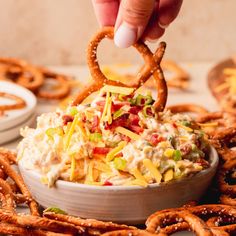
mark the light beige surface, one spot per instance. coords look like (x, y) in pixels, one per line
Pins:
(57, 31)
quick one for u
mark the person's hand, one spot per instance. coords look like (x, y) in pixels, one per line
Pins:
(134, 19)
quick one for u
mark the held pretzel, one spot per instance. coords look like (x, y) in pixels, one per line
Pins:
(152, 67)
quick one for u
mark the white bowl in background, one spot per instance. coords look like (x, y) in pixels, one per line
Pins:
(13, 133)
(123, 204)
(16, 117)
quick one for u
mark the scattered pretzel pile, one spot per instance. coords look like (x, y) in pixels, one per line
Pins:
(222, 84)
(34, 78)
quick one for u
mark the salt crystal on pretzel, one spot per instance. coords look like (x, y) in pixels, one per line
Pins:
(152, 67)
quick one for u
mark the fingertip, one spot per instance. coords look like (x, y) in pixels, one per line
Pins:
(125, 36)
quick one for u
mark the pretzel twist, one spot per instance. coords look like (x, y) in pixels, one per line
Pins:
(152, 67)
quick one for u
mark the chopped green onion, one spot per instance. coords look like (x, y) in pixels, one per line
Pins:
(95, 137)
(194, 147)
(119, 163)
(73, 111)
(142, 100)
(177, 155)
(56, 210)
(50, 132)
(117, 114)
(145, 110)
(132, 101)
(186, 123)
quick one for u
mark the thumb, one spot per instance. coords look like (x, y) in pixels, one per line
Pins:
(133, 17)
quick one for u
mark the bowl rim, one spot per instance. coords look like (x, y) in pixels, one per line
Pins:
(214, 157)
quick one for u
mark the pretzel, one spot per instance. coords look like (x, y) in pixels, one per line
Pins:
(188, 107)
(38, 222)
(10, 229)
(180, 79)
(136, 232)
(6, 196)
(194, 223)
(62, 89)
(221, 83)
(6, 167)
(21, 72)
(152, 67)
(88, 223)
(19, 102)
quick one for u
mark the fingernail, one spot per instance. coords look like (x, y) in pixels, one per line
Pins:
(162, 25)
(125, 36)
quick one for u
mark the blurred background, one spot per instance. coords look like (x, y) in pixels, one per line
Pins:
(56, 32)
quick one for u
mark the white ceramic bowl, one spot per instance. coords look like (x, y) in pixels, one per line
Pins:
(13, 133)
(131, 205)
(18, 116)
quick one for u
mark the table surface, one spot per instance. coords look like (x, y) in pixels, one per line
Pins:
(197, 92)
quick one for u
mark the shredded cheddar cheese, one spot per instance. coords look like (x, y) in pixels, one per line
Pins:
(137, 174)
(153, 170)
(168, 175)
(128, 133)
(110, 156)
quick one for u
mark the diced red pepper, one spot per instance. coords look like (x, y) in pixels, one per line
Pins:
(101, 150)
(155, 139)
(107, 183)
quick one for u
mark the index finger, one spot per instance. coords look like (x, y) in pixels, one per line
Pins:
(106, 11)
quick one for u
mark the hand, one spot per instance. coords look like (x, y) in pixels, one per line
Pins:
(134, 19)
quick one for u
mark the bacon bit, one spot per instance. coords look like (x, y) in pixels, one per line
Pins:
(117, 106)
(66, 119)
(101, 150)
(101, 103)
(135, 110)
(203, 163)
(134, 119)
(155, 139)
(135, 128)
(83, 117)
(120, 154)
(107, 183)
(95, 124)
(174, 125)
(125, 138)
(121, 121)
